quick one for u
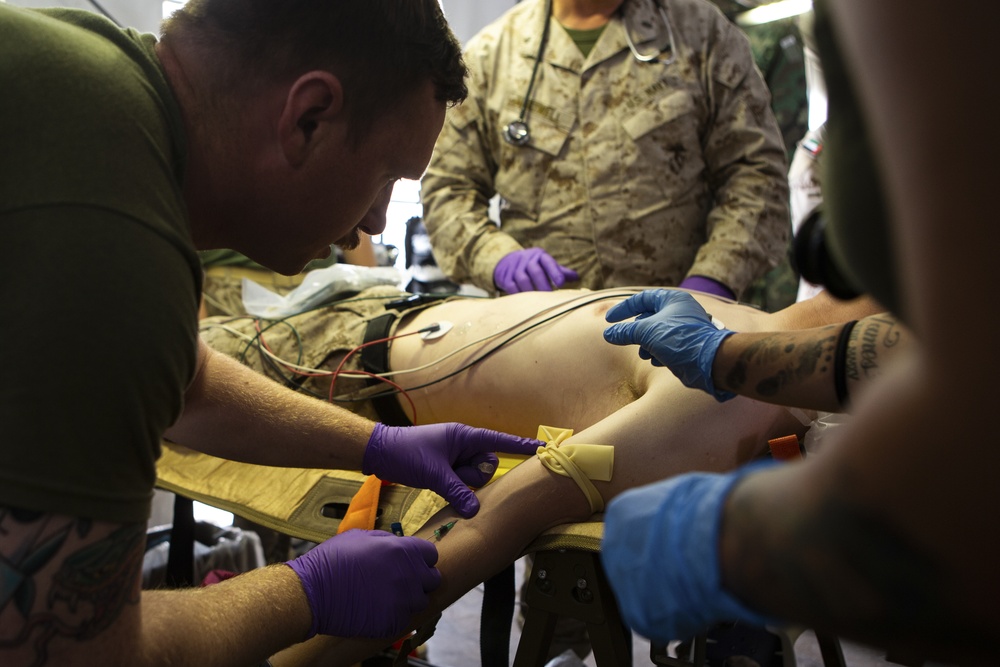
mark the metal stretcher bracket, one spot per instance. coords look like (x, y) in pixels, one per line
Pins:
(571, 583)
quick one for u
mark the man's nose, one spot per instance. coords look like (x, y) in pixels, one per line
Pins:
(375, 219)
(374, 222)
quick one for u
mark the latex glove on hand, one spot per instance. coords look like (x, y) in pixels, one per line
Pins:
(365, 583)
(445, 458)
(672, 330)
(661, 555)
(708, 286)
(529, 270)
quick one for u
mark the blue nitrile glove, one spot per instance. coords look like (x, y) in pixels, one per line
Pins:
(367, 583)
(661, 554)
(445, 458)
(530, 270)
(707, 285)
(672, 330)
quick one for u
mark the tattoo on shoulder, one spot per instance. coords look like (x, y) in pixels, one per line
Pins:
(60, 586)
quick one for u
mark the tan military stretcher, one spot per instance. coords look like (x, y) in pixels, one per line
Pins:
(566, 578)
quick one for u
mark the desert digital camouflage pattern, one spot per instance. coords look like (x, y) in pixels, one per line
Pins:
(635, 174)
(778, 49)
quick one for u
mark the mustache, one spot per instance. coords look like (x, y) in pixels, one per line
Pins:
(350, 241)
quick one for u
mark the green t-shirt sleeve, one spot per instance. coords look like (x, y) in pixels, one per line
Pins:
(99, 333)
(99, 280)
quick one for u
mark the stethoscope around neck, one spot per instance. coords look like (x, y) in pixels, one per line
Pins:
(517, 132)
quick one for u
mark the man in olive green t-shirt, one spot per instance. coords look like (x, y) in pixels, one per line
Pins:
(122, 156)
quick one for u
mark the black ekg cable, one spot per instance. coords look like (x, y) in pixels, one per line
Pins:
(102, 10)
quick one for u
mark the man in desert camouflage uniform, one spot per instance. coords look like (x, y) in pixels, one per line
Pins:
(634, 173)
(778, 50)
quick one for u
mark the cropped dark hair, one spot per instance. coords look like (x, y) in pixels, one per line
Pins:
(381, 50)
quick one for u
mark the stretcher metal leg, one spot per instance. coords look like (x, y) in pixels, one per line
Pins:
(571, 583)
(180, 556)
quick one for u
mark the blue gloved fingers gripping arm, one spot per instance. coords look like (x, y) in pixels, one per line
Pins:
(661, 555)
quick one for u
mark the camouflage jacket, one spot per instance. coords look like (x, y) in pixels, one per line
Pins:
(635, 173)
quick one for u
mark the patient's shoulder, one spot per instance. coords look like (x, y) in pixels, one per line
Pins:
(735, 316)
(824, 309)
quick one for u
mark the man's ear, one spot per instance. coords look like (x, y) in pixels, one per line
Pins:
(313, 105)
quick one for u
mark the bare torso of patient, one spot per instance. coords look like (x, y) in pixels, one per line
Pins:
(560, 372)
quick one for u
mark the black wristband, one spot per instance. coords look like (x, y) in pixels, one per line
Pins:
(840, 363)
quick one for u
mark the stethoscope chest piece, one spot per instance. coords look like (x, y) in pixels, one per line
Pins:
(517, 133)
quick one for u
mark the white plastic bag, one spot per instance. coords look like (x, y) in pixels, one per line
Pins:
(824, 424)
(319, 287)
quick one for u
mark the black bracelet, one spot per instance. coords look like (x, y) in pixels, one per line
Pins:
(840, 363)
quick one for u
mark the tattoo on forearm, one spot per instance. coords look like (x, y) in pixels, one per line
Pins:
(786, 361)
(867, 340)
(88, 591)
(851, 355)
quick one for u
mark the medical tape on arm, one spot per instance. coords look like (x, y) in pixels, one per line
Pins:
(580, 462)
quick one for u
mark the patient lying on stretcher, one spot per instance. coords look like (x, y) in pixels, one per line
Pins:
(512, 364)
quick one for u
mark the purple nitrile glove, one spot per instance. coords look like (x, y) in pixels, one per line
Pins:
(707, 285)
(672, 330)
(445, 458)
(529, 270)
(366, 583)
(661, 554)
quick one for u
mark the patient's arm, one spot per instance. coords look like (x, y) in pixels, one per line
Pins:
(516, 508)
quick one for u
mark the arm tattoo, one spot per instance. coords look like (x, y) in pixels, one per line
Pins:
(90, 588)
(869, 337)
(785, 361)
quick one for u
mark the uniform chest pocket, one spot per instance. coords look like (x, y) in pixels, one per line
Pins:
(524, 171)
(666, 136)
(667, 109)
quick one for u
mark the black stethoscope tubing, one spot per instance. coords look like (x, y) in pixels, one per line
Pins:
(516, 132)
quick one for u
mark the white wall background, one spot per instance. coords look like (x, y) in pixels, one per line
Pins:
(145, 15)
(466, 16)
